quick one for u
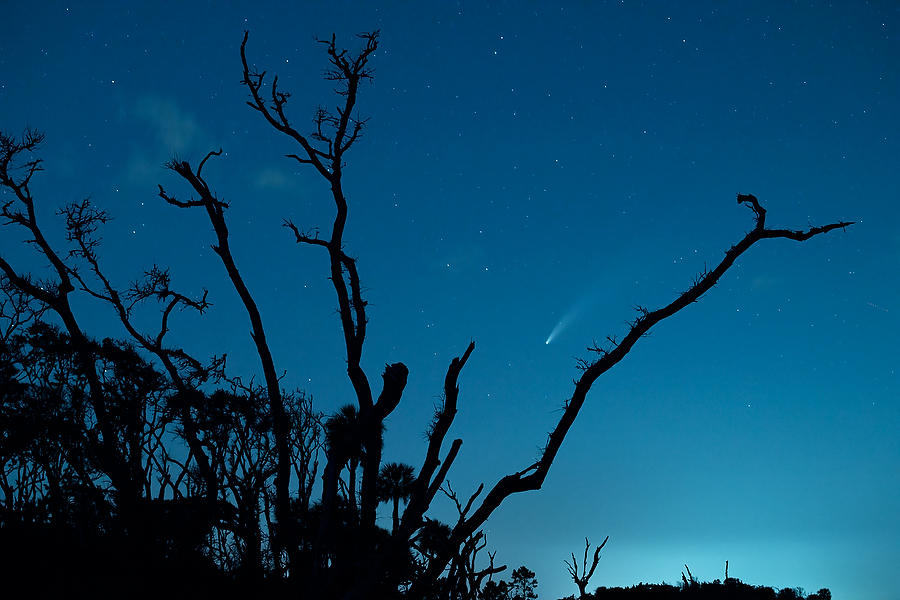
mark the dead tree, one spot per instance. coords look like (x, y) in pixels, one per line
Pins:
(215, 211)
(132, 449)
(688, 581)
(185, 371)
(464, 577)
(335, 133)
(532, 477)
(324, 150)
(586, 572)
(17, 169)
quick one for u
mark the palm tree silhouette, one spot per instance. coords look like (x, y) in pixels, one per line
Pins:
(395, 484)
(343, 435)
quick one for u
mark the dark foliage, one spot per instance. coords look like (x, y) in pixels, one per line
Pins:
(730, 589)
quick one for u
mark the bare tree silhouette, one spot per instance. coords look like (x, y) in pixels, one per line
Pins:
(586, 572)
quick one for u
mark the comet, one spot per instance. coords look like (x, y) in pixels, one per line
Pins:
(560, 327)
(572, 315)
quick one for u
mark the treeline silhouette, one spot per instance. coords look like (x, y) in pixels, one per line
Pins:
(132, 467)
(523, 585)
(729, 589)
(100, 489)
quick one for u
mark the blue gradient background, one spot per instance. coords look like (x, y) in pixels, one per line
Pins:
(524, 159)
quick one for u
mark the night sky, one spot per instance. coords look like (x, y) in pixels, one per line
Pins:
(527, 170)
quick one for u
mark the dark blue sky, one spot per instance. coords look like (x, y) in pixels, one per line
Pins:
(528, 165)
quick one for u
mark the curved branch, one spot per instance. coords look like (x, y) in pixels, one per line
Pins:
(254, 81)
(215, 210)
(532, 478)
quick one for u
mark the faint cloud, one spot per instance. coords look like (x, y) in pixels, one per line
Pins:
(271, 178)
(171, 130)
(762, 282)
(141, 169)
(176, 129)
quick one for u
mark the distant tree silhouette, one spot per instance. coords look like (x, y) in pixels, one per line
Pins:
(140, 452)
(586, 572)
(523, 585)
(691, 589)
(495, 590)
